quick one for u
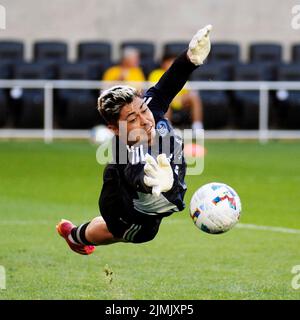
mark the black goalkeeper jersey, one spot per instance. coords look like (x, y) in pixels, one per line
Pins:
(124, 191)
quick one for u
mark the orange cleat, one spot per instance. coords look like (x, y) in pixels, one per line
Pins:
(64, 229)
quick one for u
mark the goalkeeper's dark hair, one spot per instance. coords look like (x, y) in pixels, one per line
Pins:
(111, 102)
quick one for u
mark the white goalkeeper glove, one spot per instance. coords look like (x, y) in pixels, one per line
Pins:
(199, 46)
(158, 175)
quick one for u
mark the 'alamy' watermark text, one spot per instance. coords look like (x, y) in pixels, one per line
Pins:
(296, 279)
(295, 22)
(2, 278)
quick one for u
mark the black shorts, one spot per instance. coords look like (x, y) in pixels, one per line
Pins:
(136, 227)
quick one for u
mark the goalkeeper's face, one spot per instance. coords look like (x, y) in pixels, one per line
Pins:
(136, 123)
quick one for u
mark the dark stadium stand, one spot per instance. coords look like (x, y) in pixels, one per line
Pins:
(11, 51)
(94, 51)
(288, 104)
(226, 54)
(29, 110)
(269, 54)
(56, 51)
(246, 102)
(3, 108)
(52, 53)
(97, 56)
(95, 70)
(296, 53)
(76, 108)
(6, 69)
(265, 52)
(215, 103)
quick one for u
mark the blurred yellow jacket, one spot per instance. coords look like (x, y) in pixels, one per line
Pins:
(176, 104)
(116, 73)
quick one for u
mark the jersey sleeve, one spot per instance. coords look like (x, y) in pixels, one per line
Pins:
(163, 92)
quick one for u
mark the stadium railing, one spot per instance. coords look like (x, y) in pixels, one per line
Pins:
(48, 133)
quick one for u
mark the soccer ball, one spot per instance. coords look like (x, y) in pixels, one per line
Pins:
(215, 208)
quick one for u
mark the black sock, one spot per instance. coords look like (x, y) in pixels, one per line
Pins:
(78, 234)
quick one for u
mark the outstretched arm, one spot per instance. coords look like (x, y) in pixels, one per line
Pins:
(177, 75)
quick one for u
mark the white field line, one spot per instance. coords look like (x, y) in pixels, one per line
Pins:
(267, 228)
(166, 221)
(252, 227)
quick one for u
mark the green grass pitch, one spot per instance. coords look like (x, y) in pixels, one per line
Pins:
(40, 184)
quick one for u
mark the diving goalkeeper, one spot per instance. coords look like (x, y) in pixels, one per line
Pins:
(149, 186)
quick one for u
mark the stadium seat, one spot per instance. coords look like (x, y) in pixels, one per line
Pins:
(174, 48)
(296, 53)
(73, 71)
(95, 70)
(268, 54)
(30, 102)
(3, 108)
(288, 72)
(249, 72)
(97, 56)
(32, 71)
(11, 51)
(288, 102)
(50, 50)
(99, 51)
(265, 52)
(215, 103)
(224, 52)
(227, 54)
(148, 67)
(76, 108)
(6, 70)
(246, 102)
(147, 53)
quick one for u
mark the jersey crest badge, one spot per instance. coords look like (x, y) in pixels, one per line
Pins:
(162, 128)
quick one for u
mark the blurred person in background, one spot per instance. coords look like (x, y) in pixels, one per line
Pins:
(186, 104)
(128, 69)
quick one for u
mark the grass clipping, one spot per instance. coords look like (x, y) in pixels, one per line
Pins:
(108, 274)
